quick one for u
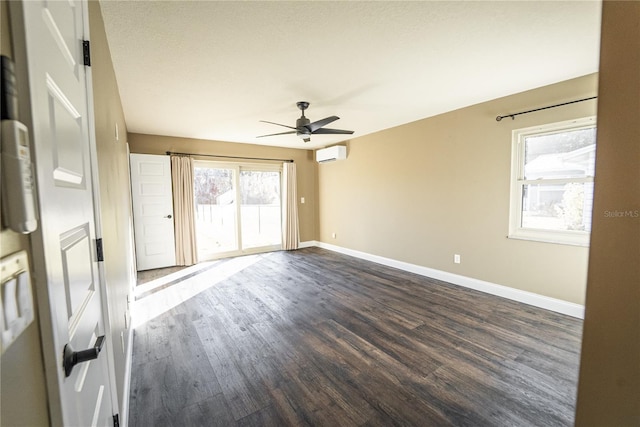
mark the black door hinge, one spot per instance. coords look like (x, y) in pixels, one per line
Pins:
(116, 420)
(99, 251)
(86, 52)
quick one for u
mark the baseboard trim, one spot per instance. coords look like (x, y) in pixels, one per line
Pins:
(307, 244)
(530, 298)
(124, 412)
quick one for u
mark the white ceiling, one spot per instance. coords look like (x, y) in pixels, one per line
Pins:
(212, 70)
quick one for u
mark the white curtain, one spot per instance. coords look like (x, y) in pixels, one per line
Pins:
(183, 210)
(290, 233)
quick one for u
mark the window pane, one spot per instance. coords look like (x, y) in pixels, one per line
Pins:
(559, 207)
(215, 199)
(566, 154)
(260, 208)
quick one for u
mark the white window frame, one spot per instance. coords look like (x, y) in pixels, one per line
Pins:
(516, 231)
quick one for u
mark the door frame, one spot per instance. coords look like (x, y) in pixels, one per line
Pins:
(97, 215)
(38, 264)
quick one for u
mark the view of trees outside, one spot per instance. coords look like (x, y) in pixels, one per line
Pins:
(564, 156)
(573, 207)
(216, 211)
(210, 183)
(214, 198)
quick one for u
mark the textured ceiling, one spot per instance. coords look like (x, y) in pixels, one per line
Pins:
(212, 70)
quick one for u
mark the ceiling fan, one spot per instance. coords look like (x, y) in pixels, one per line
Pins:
(304, 128)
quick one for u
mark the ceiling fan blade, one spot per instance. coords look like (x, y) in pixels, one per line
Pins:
(274, 134)
(319, 123)
(290, 127)
(332, 132)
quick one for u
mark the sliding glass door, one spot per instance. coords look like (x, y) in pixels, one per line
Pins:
(261, 224)
(238, 209)
(215, 198)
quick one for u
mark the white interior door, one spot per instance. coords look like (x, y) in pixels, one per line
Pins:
(152, 211)
(48, 36)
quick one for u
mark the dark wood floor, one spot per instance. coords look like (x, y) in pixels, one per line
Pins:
(317, 338)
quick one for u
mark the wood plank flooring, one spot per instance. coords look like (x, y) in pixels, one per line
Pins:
(315, 338)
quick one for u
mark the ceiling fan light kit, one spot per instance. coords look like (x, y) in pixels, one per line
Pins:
(305, 128)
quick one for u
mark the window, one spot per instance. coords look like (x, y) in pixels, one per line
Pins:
(552, 169)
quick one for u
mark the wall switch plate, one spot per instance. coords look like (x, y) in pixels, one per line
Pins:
(456, 259)
(10, 310)
(333, 235)
(24, 297)
(16, 308)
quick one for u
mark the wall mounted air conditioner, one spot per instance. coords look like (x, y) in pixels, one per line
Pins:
(337, 152)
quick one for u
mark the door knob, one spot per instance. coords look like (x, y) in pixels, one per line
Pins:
(71, 358)
(168, 216)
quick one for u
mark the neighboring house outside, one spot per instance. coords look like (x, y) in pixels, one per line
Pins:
(564, 206)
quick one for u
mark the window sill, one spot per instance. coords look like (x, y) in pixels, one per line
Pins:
(556, 241)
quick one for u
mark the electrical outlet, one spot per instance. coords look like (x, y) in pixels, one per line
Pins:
(302, 200)
(456, 259)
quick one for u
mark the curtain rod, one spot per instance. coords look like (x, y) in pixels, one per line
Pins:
(230, 157)
(513, 116)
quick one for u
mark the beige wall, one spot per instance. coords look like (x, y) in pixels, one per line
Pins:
(115, 203)
(609, 386)
(21, 366)
(425, 191)
(5, 30)
(306, 167)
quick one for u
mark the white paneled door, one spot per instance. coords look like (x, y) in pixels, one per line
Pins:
(49, 50)
(152, 211)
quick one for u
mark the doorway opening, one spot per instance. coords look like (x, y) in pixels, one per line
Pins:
(238, 209)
